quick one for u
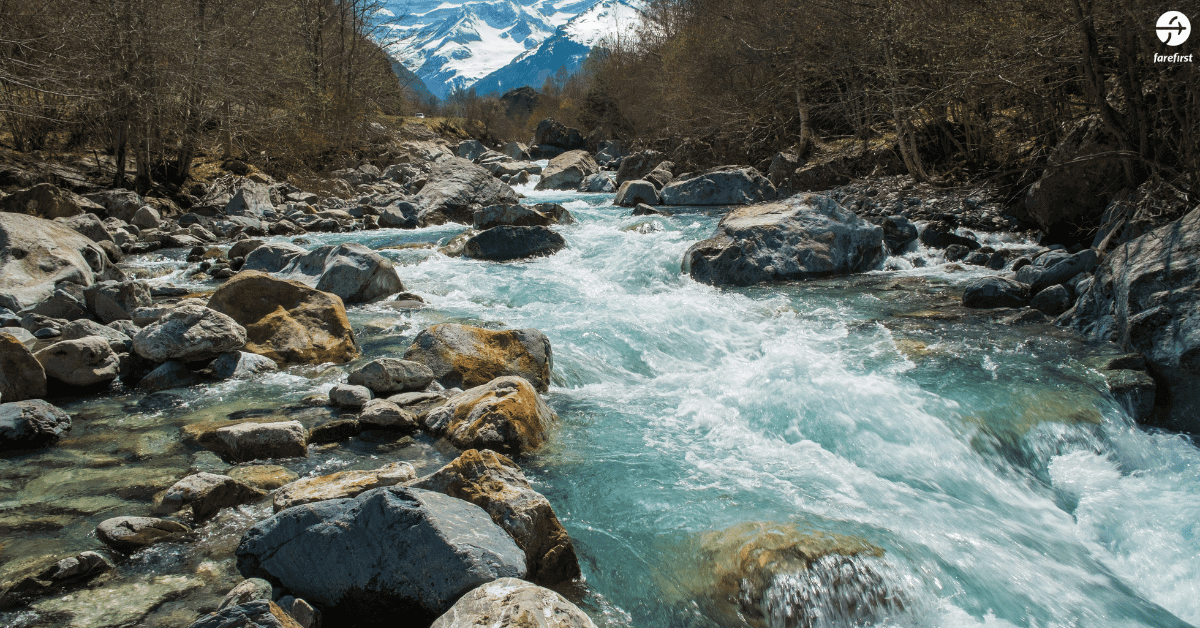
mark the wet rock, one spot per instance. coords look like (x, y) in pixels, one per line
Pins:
(272, 257)
(258, 613)
(637, 192)
(387, 551)
(463, 356)
(207, 493)
(241, 365)
(39, 577)
(334, 431)
(514, 216)
(567, 171)
(21, 374)
(386, 376)
(510, 603)
(727, 185)
(456, 188)
(383, 414)
(1134, 390)
(349, 396)
(246, 591)
(341, 485)
(898, 232)
(956, 252)
(130, 534)
(1057, 270)
(496, 484)
(265, 477)
(501, 244)
(993, 292)
(802, 237)
(506, 415)
(189, 333)
(168, 375)
(111, 300)
(940, 234)
(124, 603)
(645, 210)
(597, 183)
(1053, 300)
(242, 248)
(31, 423)
(417, 402)
(256, 441)
(287, 321)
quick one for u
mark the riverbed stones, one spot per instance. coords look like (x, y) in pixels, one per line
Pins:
(349, 396)
(130, 534)
(803, 237)
(384, 414)
(389, 550)
(1052, 270)
(83, 362)
(189, 333)
(506, 415)
(207, 493)
(496, 484)
(504, 243)
(462, 356)
(21, 374)
(994, 292)
(341, 485)
(168, 375)
(126, 602)
(727, 185)
(118, 341)
(37, 254)
(287, 321)
(567, 171)
(898, 232)
(24, 579)
(513, 603)
(31, 423)
(257, 441)
(387, 376)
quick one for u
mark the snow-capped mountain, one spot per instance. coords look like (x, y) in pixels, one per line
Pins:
(452, 44)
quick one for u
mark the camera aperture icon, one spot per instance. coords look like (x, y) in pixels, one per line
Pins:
(1173, 28)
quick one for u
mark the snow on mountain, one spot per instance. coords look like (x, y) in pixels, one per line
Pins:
(452, 44)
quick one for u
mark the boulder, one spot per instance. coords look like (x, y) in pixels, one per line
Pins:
(257, 441)
(386, 376)
(1082, 173)
(241, 365)
(30, 424)
(21, 374)
(242, 248)
(470, 149)
(253, 614)
(399, 215)
(47, 201)
(516, 150)
(1056, 271)
(501, 244)
(119, 204)
(341, 485)
(817, 177)
(456, 188)
(384, 414)
(386, 553)
(799, 238)
(993, 292)
(496, 484)
(36, 254)
(783, 164)
(461, 356)
(189, 333)
(287, 321)
(728, 185)
(252, 199)
(66, 302)
(272, 257)
(246, 591)
(1144, 296)
(1052, 301)
(349, 397)
(550, 132)
(84, 362)
(638, 165)
(898, 233)
(116, 300)
(506, 415)
(940, 235)
(265, 477)
(130, 534)
(351, 271)
(511, 603)
(514, 216)
(146, 218)
(89, 225)
(642, 209)
(207, 493)
(168, 375)
(597, 183)
(567, 171)
(637, 192)
(661, 176)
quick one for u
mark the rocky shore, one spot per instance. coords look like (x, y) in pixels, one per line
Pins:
(468, 542)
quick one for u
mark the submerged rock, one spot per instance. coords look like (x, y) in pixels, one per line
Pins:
(257, 441)
(387, 551)
(993, 292)
(31, 423)
(207, 493)
(803, 237)
(130, 534)
(513, 603)
(506, 414)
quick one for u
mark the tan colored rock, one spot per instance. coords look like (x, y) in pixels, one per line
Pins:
(35, 254)
(286, 320)
(513, 603)
(204, 433)
(129, 534)
(341, 484)
(496, 484)
(47, 201)
(21, 375)
(462, 356)
(265, 477)
(256, 441)
(82, 362)
(506, 414)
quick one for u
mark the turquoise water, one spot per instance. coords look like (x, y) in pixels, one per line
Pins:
(1002, 487)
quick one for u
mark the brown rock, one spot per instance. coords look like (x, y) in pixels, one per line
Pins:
(21, 375)
(461, 356)
(341, 484)
(208, 493)
(83, 362)
(286, 320)
(46, 201)
(506, 414)
(265, 477)
(496, 484)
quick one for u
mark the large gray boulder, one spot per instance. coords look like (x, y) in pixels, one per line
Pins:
(21, 375)
(638, 165)
(567, 171)
(189, 333)
(31, 423)
(119, 204)
(637, 192)
(116, 300)
(252, 199)
(386, 553)
(83, 362)
(510, 603)
(802, 237)
(501, 244)
(1057, 270)
(1083, 173)
(88, 225)
(993, 292)
(386, 376)
(119, 341)
(456, 188)
(351, 271)
(272, 257)
(1145, 295)
(35, 254)
(727, 185)
(521, 216)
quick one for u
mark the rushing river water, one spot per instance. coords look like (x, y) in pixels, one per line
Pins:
(1002, 487)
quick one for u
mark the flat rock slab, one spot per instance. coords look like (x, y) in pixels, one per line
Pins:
(341, 485)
